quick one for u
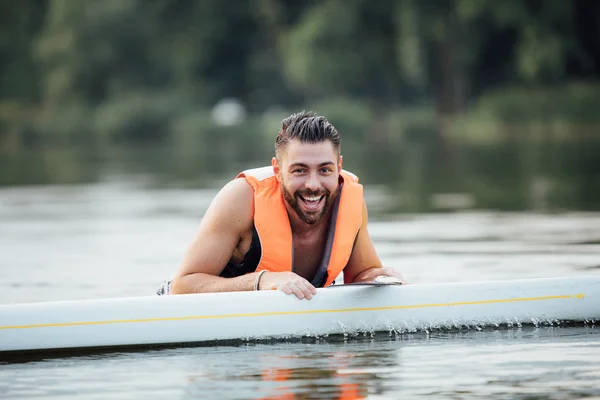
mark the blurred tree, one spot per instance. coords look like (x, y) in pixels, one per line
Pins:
(207, 50)
(346, 49)
(20, 23)
(210, 44)
(343, 48)
(93, 50)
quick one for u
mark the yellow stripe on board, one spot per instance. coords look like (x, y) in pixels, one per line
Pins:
(267, 314)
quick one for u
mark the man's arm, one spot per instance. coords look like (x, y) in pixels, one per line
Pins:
(229, 215)
(364, 264)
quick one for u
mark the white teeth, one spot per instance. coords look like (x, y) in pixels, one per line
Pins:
(312, 198)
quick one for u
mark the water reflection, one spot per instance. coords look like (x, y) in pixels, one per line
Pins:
(310, 372)
(495, 364)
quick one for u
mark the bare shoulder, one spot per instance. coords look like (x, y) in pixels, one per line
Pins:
(237, 190)
(228, 219)
(233, 204)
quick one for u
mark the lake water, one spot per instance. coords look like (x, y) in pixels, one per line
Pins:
(123, 239)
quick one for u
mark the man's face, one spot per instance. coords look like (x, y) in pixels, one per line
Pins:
(309, 173)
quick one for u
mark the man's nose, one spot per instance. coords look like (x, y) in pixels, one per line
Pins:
(312, 183)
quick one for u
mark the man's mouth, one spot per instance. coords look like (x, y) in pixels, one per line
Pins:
(312, 202)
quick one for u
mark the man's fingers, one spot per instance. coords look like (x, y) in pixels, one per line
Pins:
(308, 289)
(300, 288)
(372, 274)
(291, 288)
(297, 290)
(285, 288)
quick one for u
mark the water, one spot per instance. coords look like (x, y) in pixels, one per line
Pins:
(123, 239)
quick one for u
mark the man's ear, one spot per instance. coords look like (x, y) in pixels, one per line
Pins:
(276, 168)
(340, 163)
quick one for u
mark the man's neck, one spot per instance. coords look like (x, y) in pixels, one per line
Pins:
(301, 228)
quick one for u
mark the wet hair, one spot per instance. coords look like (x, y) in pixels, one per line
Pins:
(307, 127)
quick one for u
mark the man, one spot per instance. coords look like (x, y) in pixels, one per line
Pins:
(292, 226)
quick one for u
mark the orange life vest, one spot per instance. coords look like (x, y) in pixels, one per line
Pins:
(273, 226)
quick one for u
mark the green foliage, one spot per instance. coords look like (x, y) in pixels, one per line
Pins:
(51, 165)
(352, 118)
(346, 49)
(137, 117)
(489, 97)
(19, 26)
(566, 111)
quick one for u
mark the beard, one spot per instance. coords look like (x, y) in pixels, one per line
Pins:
(310, 217)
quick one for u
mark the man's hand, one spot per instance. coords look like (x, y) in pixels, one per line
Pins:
(288, 283)
(371, 275)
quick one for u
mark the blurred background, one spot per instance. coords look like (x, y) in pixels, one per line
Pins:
(473, 124)
(442, 104)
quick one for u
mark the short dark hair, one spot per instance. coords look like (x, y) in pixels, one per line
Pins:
(307, 127)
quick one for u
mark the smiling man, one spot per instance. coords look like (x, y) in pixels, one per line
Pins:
(293, 226)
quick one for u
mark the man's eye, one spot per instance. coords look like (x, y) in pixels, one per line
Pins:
(326, 170)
